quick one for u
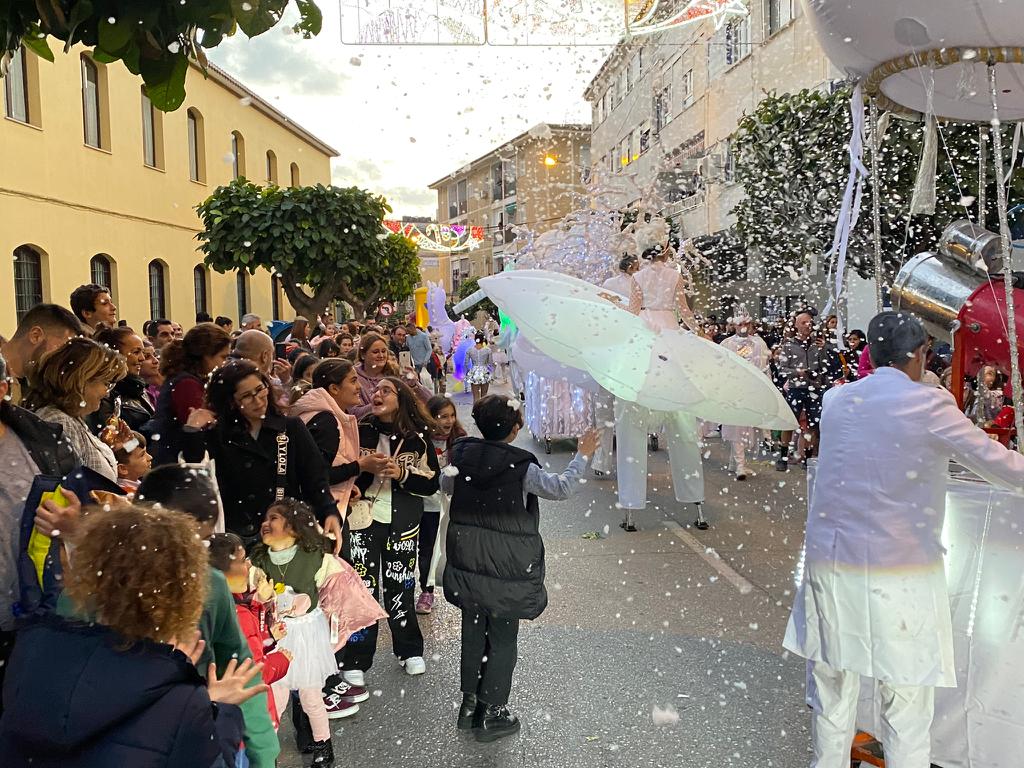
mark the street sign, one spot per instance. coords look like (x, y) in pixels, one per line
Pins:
(386, 309)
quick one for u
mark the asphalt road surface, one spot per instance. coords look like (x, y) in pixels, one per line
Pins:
(660, 648)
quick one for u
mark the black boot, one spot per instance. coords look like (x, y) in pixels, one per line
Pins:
(466, 711)
(323, 754)
(496, 723)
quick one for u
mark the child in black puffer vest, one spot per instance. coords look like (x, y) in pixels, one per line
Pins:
(495, 568)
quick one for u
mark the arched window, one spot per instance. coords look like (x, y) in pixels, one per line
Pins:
(237, 155)
(101, 271)
(28, 279)
(199, 288)
(271, 167)
(295, 174)
(157, 290)
(242, 287)
(196, 146)
(92, 112)
(275, 297)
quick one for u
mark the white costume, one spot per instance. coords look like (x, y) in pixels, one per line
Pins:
(662, 295)
(873, 600)
(752, 349)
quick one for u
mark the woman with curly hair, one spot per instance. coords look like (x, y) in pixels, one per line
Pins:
(141, 572)
(260, 454)
(185, 365)
(67, 387)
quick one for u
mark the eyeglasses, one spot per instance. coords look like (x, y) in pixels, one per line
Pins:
(383, 391)
(248, 397)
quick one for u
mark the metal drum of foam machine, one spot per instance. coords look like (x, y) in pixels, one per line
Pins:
(935, 289)
(972, 245)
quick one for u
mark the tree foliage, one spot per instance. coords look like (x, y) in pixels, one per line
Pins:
(793, 161)
(324, 242)
(153, 38)
(470, 286)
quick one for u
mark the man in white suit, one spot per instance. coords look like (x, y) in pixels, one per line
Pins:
(873, 599)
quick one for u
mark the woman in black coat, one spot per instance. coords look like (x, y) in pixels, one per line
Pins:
(260, 455)
(123, 691)
(385, 552)
(136, 408)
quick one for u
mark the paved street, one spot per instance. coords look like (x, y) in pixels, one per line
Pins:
(648, 655)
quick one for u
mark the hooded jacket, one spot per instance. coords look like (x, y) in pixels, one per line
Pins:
(494, 548)
(336, 434)
(76, 697)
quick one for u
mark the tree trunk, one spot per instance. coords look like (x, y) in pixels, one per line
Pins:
(309, 307)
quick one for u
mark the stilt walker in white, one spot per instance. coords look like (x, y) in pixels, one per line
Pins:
(751, 348)
(663, 305)
(623, 290)
(873, 599)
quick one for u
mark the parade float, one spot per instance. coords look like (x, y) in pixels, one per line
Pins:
(934, 61)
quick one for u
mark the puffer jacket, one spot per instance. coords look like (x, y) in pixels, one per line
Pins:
(494, 548)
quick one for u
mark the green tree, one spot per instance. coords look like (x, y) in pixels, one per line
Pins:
(324, 242)
(792, 160)
(469, 286)
(153, 38)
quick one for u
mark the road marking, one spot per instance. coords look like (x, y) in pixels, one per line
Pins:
(710, 556)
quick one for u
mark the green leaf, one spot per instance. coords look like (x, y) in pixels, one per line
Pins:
(165, 80)
(255, 17)
(114, 37)
(311, 19)
(35, 41)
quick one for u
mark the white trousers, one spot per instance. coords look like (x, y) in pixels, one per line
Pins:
(604, 420)
(633, 423)
(906, 719)
(739, 456)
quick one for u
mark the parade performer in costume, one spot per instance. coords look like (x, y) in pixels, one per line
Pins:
(751, 348)
(873, 599)
(663, 304)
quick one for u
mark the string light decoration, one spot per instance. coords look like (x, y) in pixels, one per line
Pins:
(441, 238)
(650, 16)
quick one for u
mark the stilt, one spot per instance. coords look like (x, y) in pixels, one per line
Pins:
(700, 523)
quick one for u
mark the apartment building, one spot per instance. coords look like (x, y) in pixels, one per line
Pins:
(664, 107)
(530, 182)
(98, 186)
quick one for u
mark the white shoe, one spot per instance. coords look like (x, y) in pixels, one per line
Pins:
(354, 677)
(414, 665)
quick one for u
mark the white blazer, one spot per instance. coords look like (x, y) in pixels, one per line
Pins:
(873, 596)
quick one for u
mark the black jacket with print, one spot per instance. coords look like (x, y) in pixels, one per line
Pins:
(421, 475)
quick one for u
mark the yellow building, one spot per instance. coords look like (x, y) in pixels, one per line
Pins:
(97, 186)
(532, 182)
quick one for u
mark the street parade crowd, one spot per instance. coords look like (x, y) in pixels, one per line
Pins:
(213, 522)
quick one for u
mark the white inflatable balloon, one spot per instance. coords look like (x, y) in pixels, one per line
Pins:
(860, 35)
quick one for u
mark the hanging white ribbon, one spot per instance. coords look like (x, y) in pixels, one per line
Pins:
(849, 212)
(923, 200)
(1013, 153)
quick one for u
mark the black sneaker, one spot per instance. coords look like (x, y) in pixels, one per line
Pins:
(466, 712)
(627, 527)
(323, 754)
(781, 465)
(496, 723)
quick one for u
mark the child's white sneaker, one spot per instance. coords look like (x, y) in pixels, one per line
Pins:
(414, 665)
(354, 677)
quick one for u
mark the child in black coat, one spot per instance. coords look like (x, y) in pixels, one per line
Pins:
(495, 568)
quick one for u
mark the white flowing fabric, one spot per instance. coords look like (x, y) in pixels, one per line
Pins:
(754, 351)
(568, 320)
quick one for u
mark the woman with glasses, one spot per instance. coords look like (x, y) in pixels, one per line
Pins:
(398, 427)
(185, 365)
(260, 455)
(67, 387)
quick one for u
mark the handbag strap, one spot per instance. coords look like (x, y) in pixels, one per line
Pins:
(282, 465)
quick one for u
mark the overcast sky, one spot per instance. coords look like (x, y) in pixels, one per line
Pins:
(402, 117)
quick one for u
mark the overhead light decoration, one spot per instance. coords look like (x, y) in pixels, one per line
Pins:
(550, 160)
(439, 238)
(649, 16)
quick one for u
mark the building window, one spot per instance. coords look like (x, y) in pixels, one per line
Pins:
(152, 134)
(275, 297)
(728, 162)
(630, 72)
(242, 289)
(463, 195)
(237, 155)
(645, 136)
(101, 271)
(737, 40)
(28, 279)
(199, 289)
(777, 14)
(196, 146)
(157, 290)
(662, 108)
(686, 88)
(271, 167)
(294, 168)
(92, 114)
(16, 87)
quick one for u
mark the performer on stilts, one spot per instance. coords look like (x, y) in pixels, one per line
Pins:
(663, 305)
(751, 348)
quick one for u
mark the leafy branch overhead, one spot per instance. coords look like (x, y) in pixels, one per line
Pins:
(153, 38)
(792, 160)
(324, 242)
